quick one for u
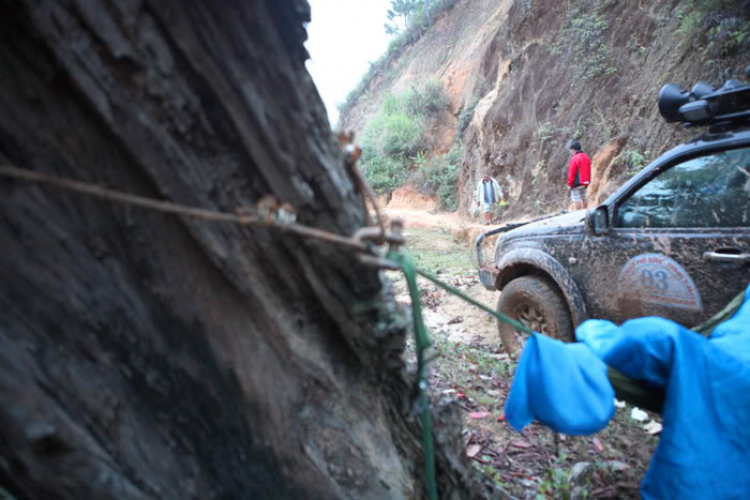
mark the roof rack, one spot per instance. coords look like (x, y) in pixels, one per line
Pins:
(705, 105)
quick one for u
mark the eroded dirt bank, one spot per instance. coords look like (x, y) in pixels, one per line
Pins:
(525, 77)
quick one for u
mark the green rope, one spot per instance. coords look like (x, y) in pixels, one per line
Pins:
(707, 328)
(422, 340)
(422, 343)
(502, 317)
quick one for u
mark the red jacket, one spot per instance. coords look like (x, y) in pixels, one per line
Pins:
(581, 164)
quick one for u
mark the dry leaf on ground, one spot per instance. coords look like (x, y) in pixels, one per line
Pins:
(473, 450)
(520, 444)
(597, 445)
(479, 414)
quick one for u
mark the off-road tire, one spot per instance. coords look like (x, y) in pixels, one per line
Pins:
(535, 302)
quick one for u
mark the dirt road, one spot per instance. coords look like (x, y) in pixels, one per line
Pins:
(470, 366)
(424, 219)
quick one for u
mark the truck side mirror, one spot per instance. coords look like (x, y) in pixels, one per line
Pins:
(597, 222)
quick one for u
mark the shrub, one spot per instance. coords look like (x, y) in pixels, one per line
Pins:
(464, 117)
(583, 33)
(395, 138)
(543, 133)
(420, 161)
(455, 155)
(725, 36)
(446, 193)
(430, 100)
(392, 132)
(384, 174)
(441, 177)
(401, 135)
(717, 26)
(634, 160)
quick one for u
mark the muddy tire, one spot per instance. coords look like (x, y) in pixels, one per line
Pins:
(535, 302)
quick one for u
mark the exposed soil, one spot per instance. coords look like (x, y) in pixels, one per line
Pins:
(406, 198)
(470, 366)
(420, 211)
(423, 219)
(525, 77)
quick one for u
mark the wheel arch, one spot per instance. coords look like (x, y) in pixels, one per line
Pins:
(532, 261)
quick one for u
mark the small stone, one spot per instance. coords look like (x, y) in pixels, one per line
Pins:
(616, 465)
(638, 415)
(578, 471)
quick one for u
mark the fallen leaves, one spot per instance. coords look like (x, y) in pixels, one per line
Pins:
(479, 445)
(598, 446)
(476, 374)
(430, 299)
(616, 465)
(479, 414)
(524, 445)
(473, 450)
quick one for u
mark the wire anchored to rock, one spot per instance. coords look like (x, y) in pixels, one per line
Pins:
(264, 216)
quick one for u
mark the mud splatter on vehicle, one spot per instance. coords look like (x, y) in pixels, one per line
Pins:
(673, 241)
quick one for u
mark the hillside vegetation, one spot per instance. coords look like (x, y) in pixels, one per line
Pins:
(504, 85)
(397, 145)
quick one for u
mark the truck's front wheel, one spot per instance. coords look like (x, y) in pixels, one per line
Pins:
(535, 302)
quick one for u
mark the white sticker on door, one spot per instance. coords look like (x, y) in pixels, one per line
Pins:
(654, 278)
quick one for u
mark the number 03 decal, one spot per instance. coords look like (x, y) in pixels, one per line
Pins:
(656, 279)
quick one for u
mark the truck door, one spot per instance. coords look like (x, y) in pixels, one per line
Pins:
(680, 244)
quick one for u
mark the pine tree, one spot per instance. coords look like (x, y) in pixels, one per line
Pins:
(401, 12)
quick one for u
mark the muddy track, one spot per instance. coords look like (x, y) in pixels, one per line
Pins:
(470, 366)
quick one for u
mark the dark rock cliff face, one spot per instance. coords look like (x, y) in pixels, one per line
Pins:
(145, 355)
(532, 74)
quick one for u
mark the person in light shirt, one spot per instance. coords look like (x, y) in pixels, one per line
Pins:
(488, 193)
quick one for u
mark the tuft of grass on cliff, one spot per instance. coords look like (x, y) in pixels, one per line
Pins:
(395, 146)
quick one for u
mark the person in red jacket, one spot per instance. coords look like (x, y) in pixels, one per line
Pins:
(579, 175)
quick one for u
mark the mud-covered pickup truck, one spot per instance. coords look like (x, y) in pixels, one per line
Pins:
(673, 241)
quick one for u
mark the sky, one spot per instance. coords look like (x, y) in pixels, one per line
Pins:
(343, 38)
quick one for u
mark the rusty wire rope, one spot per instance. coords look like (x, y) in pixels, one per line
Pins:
(362, 241)
(177, 209)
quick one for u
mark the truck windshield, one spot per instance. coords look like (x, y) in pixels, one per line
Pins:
(711, 191)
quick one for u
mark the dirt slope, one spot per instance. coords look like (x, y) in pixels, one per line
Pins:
(527, 76)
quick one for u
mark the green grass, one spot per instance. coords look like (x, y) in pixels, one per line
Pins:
(394, 139)
(435, 252)
(700, 27)
(581, 39)
(439, 176)
(464, 118)
(453, 262)
(481, 360)
(635, 160)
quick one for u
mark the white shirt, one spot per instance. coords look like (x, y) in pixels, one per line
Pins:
(479, 192)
